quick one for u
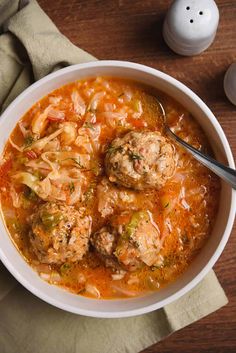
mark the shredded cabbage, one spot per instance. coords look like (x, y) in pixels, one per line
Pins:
(95, 101)
(40, 144)
(38, 164)
(66, 176)
(39, 122)
(53, 145)
(56, 115)
(55, 166)
(114, 119)
(69, 134)
(27, 179)
(23, 130)
(66, 158)
(45, 188)
(83, 141)
(94, 136)
(55, 100)
(18, 148)
(41, 188)
(78, 102)
(91, 289)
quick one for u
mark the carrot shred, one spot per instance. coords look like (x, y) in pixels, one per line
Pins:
(31, 154)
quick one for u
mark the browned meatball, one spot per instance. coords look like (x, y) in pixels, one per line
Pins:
(134, 244)
(139, 242)
(140, 160)
(59, 233)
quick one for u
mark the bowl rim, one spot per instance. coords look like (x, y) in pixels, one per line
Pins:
(225, 236)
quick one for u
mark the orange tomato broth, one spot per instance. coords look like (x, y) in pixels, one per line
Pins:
(184, 209)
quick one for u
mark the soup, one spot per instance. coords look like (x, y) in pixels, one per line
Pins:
(97, 199)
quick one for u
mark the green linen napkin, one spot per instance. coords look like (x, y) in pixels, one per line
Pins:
(31, 47)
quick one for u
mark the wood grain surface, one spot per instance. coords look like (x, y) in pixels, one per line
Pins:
(132, 30)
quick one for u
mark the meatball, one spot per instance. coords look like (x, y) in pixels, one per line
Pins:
(132, 245)
(139, 242)
(140, 160)
(59, 233)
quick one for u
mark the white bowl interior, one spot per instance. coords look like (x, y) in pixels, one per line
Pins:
(206, 258)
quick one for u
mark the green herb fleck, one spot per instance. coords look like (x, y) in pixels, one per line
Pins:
(135, 156)
(76, 161)
(28, 141)
(89, 125)
(112, 149)
(166, 205)
(71, 187)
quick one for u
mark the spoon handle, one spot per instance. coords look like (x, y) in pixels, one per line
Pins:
(224, 172)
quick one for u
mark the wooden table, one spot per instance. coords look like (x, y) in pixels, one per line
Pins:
(131, 30)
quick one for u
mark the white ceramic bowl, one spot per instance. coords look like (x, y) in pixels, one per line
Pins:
(208, 255)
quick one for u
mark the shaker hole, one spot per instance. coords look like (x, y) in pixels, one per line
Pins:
(187, 8)
(201, 13)
(191, 21)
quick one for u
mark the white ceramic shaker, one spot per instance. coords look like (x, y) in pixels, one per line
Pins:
(230, 83)
(190, 26)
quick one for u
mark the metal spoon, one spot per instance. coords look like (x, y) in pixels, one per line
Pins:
(224, 172)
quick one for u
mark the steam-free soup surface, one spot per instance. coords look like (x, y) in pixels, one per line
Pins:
(97, 199)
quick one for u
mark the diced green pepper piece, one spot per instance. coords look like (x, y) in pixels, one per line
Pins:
(136, 105)
(51, 220)
(65, 268)
(135, 219)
